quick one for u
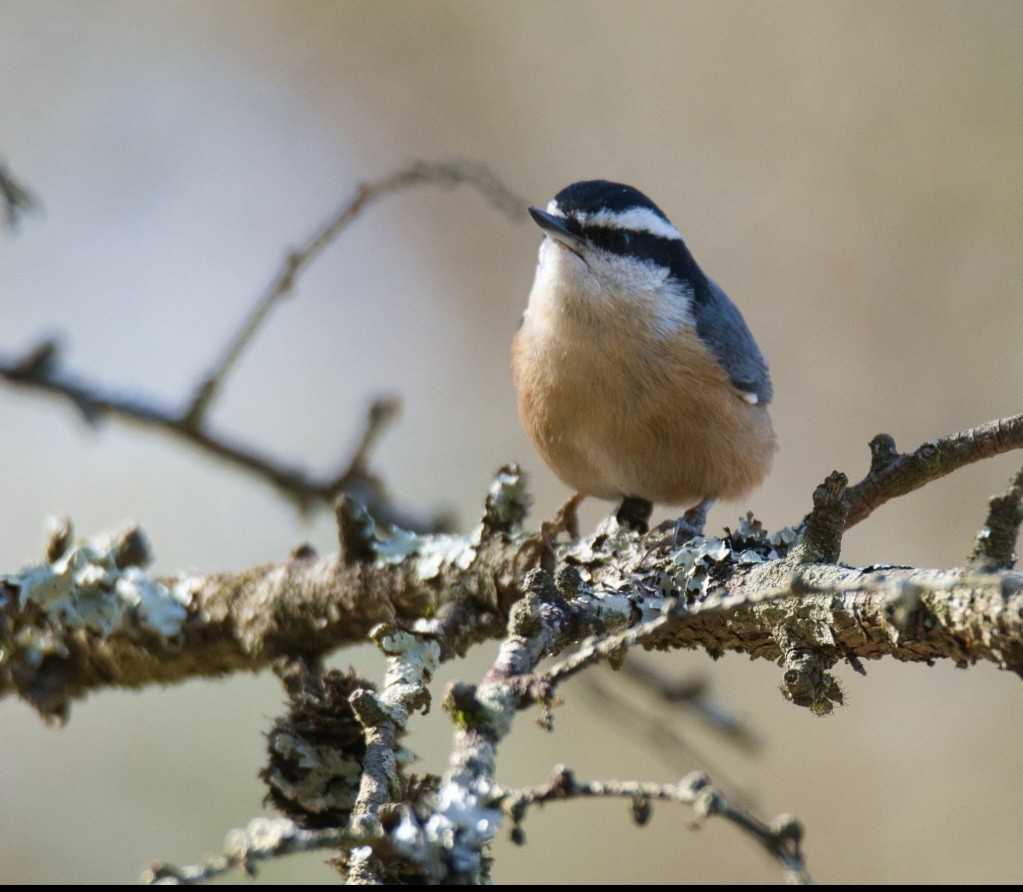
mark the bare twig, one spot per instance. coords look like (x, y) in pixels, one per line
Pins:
(259, 840)
(15, 200)
(608, 647)
(444, 173)
(656, 730)
(893, 474)
(782, 837)
(39, 370)
(995, 548)
(693, 694)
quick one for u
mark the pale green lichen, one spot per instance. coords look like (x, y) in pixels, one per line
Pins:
(434, 552)
(507, 502)
(785, 538)
(444, 550)
(84, 589)
(328, 781)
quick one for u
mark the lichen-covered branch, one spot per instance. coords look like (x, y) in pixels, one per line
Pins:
(411, 661)
(90, 617)
(782, 837)
(995, 548)
(544, 621)
(260, 839)
(894, 474)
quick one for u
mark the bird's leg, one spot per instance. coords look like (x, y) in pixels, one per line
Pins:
(634, 513)
(691, 524)
(567, 518)
(673, 533)
(538, 549)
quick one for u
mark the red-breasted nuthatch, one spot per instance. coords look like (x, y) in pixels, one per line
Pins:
(636, 376)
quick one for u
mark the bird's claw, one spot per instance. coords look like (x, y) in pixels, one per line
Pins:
(675, 533)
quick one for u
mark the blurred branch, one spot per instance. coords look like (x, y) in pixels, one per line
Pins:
(444, 173)
(15, 200)
(654, 729)
(89, 618)
(261, 839)
(782, 837)
(694, 695)
(39, 368)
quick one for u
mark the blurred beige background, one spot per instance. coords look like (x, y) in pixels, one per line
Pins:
(850, 173)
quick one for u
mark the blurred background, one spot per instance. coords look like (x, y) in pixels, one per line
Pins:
(850, 173)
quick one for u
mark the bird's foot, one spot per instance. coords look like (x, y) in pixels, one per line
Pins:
(538, 549)
(674, 533)
(634, 514)
(567, 518)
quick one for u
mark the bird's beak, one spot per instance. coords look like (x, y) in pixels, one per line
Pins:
(555, 227)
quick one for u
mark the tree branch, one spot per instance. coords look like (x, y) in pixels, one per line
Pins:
(261, 839)
(995, 548)
(419, 173)
(81, 622)
(782, 837)
(693, 695)
(892, 474)
(16, 200)
(39, 368)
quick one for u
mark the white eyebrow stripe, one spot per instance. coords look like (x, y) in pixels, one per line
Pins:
(636, 219)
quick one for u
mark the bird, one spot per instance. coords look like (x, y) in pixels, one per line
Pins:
(636, 378)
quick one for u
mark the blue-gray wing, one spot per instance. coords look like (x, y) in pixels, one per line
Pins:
(721, 327)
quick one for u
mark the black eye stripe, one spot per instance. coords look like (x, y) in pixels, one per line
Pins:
(634, 242)
(670, 253)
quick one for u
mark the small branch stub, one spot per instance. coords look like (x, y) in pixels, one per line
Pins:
(823, 528)
(995, 548)
(354, 531)
(807, 682)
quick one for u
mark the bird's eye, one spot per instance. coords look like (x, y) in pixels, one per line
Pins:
(622, 240)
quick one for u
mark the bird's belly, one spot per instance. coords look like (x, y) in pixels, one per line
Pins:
(672, 431)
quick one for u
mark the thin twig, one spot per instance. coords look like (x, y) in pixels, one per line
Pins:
(782, 837)
(607, 647)
(892, 474)
(656, 731)
(16, 200)
(694, 695)
(39, 370)
(445, 173)
(259, 840)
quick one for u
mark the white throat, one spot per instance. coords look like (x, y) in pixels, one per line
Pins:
(606, 286)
